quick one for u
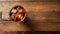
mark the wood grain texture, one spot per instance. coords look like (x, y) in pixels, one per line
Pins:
(41, 16)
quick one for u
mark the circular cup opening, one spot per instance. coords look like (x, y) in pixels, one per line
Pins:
(17, 13)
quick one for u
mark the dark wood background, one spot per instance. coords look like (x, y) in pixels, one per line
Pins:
(41, 16)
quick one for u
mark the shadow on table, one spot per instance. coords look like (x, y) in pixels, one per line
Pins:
(28, 21)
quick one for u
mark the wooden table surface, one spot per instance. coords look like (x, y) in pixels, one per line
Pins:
(41, 16)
